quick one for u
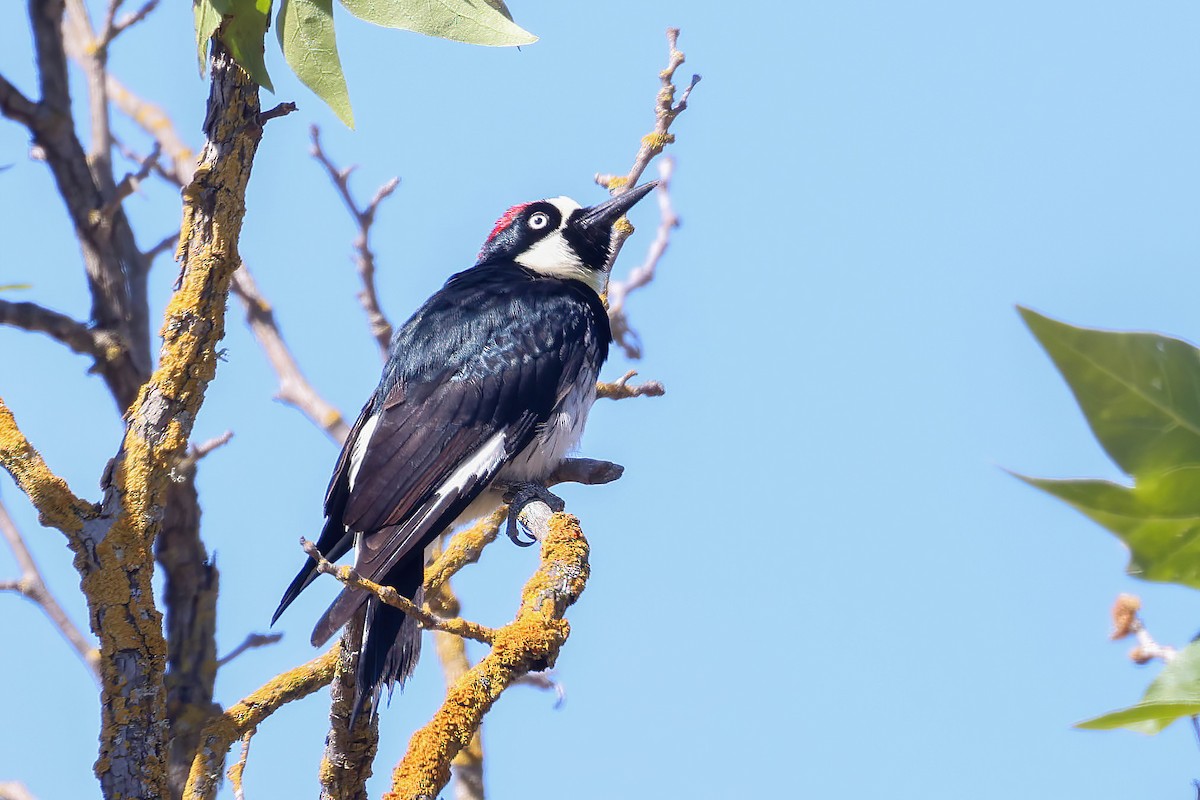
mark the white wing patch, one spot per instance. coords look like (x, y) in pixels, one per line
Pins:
(360, 447)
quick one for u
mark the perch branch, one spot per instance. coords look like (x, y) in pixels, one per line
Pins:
(380, 328)
(238, 769)
(246, 715)
(32, 585)
(531, 641)
(389, 596)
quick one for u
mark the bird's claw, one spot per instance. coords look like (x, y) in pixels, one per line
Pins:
(521, 495)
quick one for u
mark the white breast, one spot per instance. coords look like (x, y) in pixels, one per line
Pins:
(557, 437)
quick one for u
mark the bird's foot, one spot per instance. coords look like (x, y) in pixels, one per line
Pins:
(520, 495)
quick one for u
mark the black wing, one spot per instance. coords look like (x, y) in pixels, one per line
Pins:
(470, 377)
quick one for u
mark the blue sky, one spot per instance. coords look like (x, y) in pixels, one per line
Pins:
(816, 578)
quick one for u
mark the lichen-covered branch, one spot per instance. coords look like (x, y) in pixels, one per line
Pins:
(246, 715)
(57, 506)
(117, 563)
(389, 596)
(381, 329)
(467, 766)
(530, 642)
(350, 750)
(32, 586)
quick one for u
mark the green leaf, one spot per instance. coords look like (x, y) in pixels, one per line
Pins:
(1140, 392)
(208, 18)
(1173, 694)
(470, 21)
(305, 30)
(1158, 519)
(245, 33)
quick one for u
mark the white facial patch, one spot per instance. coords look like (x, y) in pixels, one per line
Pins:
(552, 255)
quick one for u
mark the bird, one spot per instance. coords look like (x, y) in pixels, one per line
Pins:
(484, 392)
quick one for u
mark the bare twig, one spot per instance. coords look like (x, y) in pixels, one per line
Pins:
(281, 110)
(294, 388)
(114, 27)
(665, 112)
(380, 328)
(154, 121)
(238, 769)
(77, 336)
(641, 275)
(546, 682)
(33, 587)
(15, 790)
(621, 390)
(166, 244)
(389, 596)
(129, 184)
(252, 641)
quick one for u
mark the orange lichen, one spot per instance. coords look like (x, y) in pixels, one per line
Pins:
(532, 640)
(220, 734)
(464, 548)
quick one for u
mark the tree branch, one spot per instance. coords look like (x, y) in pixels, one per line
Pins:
(389, 596)
(641, 275)
(245, 716)
(78, 337)
(33, 586)
(349, 755)
(251, 642)
(294, 388)
(532, 641)
(380, 328)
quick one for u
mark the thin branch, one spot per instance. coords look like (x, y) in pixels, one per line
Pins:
(243, 717)
(531, 642)
(154, 121)
(168, 242)
(380, 328)
(239, 767)
(130, 183)
(545, 681)
(620, 389)
(72, 333)
(33, 586)
(16, 106)
(15, 790)
(294, 388)
(251, 642)
(114, 27)
(281, 110)
(641, 275)
(665, 112)
(389, 596)
(463, 548)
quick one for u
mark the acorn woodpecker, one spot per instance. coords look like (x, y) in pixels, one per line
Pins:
(487, 387)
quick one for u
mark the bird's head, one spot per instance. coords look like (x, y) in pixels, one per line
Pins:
(559, 238)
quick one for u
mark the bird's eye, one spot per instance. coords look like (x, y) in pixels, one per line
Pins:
(539, 220)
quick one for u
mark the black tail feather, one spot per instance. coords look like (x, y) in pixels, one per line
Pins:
(333, 543)
(391, 642)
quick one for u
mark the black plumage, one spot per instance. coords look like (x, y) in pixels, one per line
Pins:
(490, 381)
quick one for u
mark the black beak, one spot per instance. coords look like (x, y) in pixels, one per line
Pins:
(601, 217)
